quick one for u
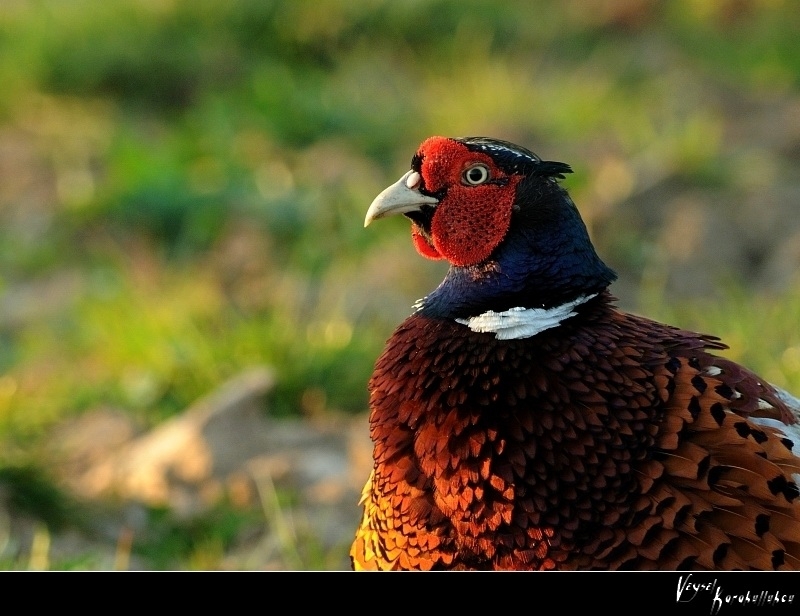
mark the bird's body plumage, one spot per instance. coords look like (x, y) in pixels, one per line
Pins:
(603, 440)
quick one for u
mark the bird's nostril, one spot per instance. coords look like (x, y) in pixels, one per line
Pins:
(413, 180)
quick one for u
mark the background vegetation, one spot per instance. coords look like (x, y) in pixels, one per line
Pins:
(183, 185)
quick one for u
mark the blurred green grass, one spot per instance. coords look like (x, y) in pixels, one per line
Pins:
(182, 184)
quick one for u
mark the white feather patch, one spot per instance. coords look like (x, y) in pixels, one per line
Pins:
(789, 400)
(522, 322)
(763, 405)
(792, 432)
(789, 431)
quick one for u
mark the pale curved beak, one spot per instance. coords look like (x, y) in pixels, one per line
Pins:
(399, 198)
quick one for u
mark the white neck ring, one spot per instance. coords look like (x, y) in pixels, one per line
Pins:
(521, 322)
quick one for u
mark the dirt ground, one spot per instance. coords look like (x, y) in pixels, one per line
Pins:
(301, 478)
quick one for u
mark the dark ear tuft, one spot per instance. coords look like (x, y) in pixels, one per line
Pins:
(551, 168)
(516, 159)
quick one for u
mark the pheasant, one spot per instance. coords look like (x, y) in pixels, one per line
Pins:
(522, 421)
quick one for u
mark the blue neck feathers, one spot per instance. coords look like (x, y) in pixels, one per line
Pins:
(545, 260)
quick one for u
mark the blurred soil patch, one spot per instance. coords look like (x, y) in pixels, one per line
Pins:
(223, 451)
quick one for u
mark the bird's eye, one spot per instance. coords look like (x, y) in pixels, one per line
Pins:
(476, 174)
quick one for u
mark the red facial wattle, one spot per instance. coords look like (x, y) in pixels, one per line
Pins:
(471, 220)
(423, 244)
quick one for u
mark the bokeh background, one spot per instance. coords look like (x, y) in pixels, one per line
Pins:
(190, 307)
